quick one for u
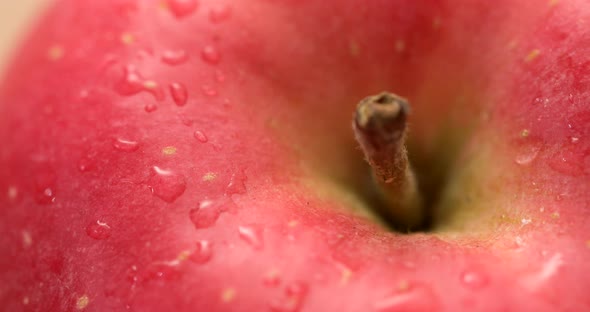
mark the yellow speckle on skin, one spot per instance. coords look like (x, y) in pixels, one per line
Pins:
(532, 55)
(183, 255)
(169, 150)
(150, 84)
(588, 243)
(292, 223)
(436, 22)
(403, 285)
(400, 46)
(555, 215)
(127, 38)
(354, 48)
(27, 239)
(55, 52)
(228, 295)
(209, 176)
(525, 133)
(553, 2)
(345, 276)
(82, 302)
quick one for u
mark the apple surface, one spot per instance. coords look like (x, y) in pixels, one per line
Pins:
(198, 156)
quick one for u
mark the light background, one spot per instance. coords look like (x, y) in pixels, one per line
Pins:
(16, 18)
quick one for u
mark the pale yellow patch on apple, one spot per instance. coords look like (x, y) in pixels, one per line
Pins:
(525, 133)
(532, 55)
(588, 243)
(403, 285)
(127, 38)
(183, 255)
(228, 294)
(55, 52)
(555, 215)
(354, 48)
(436, 22)
(82, 302)
(209, 176)
(169, 150)
(345, 275)
(553, 2)
(400, 46)
(150, 84)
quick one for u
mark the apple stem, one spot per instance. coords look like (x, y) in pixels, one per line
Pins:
(379, 125)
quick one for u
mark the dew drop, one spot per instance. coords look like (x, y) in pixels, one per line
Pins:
(125, 145)
(219, 76)
(174, 57)
(252, 235)
(571, 161)
(207, 213)
(200, 136)
(203, 252)
(179, 93)
(132, 82)
(219, 14)
(209, 90)
(527, 153)
(210, 55)
(45, 187)
(182, 8)
(473, 280)
(85, 165)
(98, 230)
(167, 185)
(413, 298)
(150, 107)
(294, 297)
(237, 183)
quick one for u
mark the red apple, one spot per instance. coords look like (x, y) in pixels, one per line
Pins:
(198, 156)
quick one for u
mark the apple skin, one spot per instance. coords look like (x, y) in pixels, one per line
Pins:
(168, 156)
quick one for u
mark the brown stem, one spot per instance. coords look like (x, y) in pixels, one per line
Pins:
(379, 125)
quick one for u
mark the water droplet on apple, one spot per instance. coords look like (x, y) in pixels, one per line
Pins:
(98, 230)
(252, 235)
(237, 183)
(219, 14)
(200, 136)
(150, 107)
(182, 8)
(209, 91)
(571, 160)
(412, 298)
(293, 300)
(166, 184)
(210, 55)
(133, 83)
(203, 252)
(473, 279)
(125, 145)
(179, 93)
(208, 212)
(527, 153)
(174, 57)
(85, 164)
(219, 76)
(45, 187)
